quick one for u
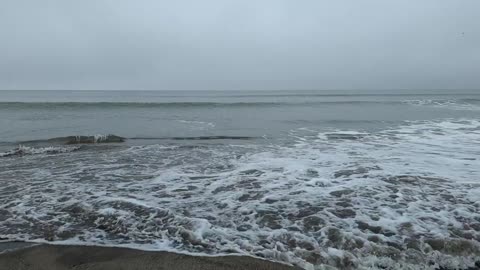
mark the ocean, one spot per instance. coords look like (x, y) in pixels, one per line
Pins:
(347, 179)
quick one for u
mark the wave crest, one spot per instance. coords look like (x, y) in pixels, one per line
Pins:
(92, 139)
(82, 139)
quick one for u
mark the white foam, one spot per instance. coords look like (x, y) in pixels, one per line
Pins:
(450, 104)
(282, 202)
(99, 138)
(27, 150)
(198, 124)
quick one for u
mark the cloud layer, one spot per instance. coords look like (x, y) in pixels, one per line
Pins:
(233, 44)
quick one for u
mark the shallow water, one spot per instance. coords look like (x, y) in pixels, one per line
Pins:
(362, 180)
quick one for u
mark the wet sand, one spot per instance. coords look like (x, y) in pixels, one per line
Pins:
(59, 257)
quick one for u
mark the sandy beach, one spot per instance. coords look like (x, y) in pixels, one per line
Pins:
(87, 257)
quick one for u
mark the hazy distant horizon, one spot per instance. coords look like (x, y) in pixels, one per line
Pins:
(247, 90)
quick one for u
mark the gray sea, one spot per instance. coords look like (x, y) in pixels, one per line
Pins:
(345, 179)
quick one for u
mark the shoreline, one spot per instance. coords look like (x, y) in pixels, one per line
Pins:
(25, 256)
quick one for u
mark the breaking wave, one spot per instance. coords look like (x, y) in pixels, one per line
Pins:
(82, 139)
(196, 138)
(406, 197)
(22, 150)
(99, 139)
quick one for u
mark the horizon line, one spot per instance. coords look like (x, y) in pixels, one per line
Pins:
(173, 90)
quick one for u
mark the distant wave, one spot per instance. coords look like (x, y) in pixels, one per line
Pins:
(470, 100)
(197, 138)
(79, 105)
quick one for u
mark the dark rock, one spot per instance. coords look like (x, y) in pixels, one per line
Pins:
(244, 227)
(359, 243)
(458, 233)
(348, 263)
(352, 244)
(365, 226)
(292, 243)
(297, 192)
(461, 247)
(4, 215)
(448, 197)
(249, 184)
(403, 179)
(475, 226)
(345, 204)
(307, 211)
(270, 201)
(210, 218)
(223, 189)
(347, 173)
(189, 237)
(395, 245)
(252, 172)
(66, 234)
(250, 197)
(138, 210)
(390, 252)
(180, 190)
(49, 233)
(111, 224)
(244, 197)
(222, 205)
(340, 193)
(343, 212)
(334, 235)
(63, 199)
(303, 204)
(436, 244)
(314, 258)
(344, 136)
(313, 223)
(294, 229)
(265, 243)
(312, 173)
(271, 221)
(406, 227)
(305, 245)
(374, 238)
(453, 246)
(388, 233)
(394, 189)
(192, 187)
(75, 210)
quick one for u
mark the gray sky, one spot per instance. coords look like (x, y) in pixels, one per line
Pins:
(239, 44)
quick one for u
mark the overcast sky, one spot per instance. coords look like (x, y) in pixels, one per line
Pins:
(239, 44)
